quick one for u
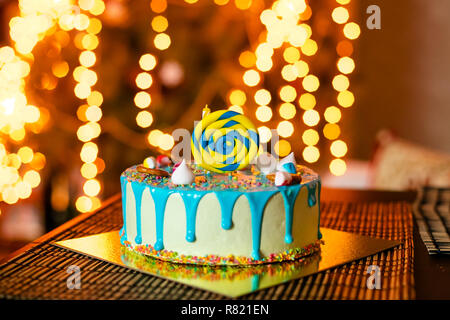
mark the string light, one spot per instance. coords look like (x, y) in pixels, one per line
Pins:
(285, 129)
(340, 15)
(310, 137)
(338, 167)
(144, 80)
(287, 111)
(338, 148)
(251, 78)
(263, 113)
(288, 93)
(311, 117)
(264, 134)
(263, 97)
(19, 172)
(307, 101)
(311, 154)
(332, 114)
(331, 131)
(341, 83)
(282, 148)
(352, 30)
(284, 22)
(90, 113)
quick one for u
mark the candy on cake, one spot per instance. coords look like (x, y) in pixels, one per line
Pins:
(182, 174)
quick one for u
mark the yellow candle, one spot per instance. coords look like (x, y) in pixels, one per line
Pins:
(205, 111)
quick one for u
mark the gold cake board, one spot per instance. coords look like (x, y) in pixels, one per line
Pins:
(339, 248)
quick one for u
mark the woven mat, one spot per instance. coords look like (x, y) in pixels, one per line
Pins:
(41, 272)
(432, 213)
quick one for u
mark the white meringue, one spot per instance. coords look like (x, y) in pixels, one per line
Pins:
(266, 163)
(286, 162)
(282, 178)
(150, 162)
(183, 174)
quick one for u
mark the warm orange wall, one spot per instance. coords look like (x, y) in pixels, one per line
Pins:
(402, 79)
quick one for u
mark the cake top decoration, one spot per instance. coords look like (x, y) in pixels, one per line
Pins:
(207, 181)
(224, 141)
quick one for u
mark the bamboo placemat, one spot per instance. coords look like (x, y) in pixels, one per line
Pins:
(432, 213)
(41, 272)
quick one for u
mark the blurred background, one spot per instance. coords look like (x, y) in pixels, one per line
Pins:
(91, 87)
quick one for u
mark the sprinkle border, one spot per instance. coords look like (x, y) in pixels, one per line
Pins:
(212, 273)
(172, 256)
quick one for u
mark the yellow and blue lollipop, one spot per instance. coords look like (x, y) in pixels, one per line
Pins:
(224, 141)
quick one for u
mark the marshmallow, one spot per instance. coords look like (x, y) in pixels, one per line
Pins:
(183, 174)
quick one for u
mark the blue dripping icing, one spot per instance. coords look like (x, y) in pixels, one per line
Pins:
(255, 282)
(191, 201)
(160, 197)
(138, 189)
(312, 193)
(123, 231)
(257, 201)
(289, 196)
(227, 199)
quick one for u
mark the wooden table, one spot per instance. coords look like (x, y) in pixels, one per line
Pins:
(431, 273)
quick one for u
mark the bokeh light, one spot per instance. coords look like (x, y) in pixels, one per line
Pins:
(346, 65)
(340, 15)
(288, 93)
(142, 99)
(282, 148)
(144, 119)
(251, 78)
(310, 83)
(338, 167)
(263, 97)
(338, 148)
(263, 113)
(311, 117)
(346, 98)
(144, 80)
(147, 62)
(311, 154)
(285, 129)
(287, 111)
(310, 137)
(162, 41)
(264, 134)
(340, 82)
(332, 114)
(352, 31)
(331, 131)
(307, 101)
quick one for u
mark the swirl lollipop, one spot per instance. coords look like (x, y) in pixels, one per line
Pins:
(224, 141)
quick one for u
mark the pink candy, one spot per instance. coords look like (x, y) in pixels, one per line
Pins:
(163, 161)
